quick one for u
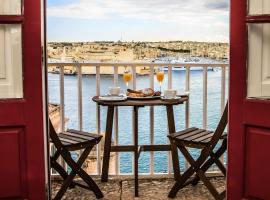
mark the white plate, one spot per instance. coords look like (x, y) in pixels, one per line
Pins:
(112, 98)
(170, 99)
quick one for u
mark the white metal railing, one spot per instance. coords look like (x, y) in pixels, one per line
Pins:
(116, 66)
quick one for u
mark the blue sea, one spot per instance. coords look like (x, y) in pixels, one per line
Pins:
(125, 113)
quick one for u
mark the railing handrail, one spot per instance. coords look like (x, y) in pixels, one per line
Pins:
(139, 64)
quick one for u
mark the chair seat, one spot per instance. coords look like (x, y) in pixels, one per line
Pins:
(73, 139)
(194, 137)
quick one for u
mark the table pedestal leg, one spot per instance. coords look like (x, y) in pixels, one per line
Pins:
(171, 125)
(136, 153)
(107, 144)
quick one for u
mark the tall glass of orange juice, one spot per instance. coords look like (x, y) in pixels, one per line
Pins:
(127, 76)
(160, 76)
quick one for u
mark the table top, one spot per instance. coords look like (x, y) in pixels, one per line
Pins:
(129, 102)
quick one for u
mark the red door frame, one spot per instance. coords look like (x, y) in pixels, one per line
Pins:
(248, 118)
(22, 120)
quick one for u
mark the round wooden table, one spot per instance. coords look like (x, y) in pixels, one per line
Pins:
(136, 104)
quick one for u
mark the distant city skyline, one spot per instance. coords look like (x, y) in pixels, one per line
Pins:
(138, 20)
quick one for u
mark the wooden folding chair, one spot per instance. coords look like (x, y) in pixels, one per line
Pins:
(206, 141)
(73, 140)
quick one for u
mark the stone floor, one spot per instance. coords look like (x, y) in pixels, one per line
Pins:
(149, 189)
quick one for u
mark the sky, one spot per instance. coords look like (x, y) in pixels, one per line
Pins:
(138, 20)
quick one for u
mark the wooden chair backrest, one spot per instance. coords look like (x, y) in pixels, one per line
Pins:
(53, 135)
(221, 127)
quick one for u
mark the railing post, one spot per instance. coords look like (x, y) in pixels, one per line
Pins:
(62, 97)
(222, 104)
(169, 87)
(205, 97)
(223, 86)
(116, 129)
(169, 76)
(98, 125)
(133, 119)
(187, 90)
(80, 120)
(152, 122)
(134, 77)
(62, 106)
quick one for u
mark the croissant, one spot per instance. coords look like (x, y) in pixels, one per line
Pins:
(140, 93)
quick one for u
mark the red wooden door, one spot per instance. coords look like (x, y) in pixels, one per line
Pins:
(249, 109)
(22, 168)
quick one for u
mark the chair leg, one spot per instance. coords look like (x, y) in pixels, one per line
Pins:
(214, 158)
(76, 169)
(180, 183)
(55, 165)
(197, 166)
(208, 184)
(65, 186)
(91, 183)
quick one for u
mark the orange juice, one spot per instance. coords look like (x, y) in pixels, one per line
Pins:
(160, 76)
(127, 77)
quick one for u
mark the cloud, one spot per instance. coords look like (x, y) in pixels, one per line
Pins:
(217, 5)
(189, 16)
(167, 10)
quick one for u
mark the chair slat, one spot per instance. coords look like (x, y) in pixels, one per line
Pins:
(66, 143)
(190, 134)
(199, 135)
(76, 139)
(188, 130)
(84, 133)
(67, 140)
(76, 135)
(201, 139)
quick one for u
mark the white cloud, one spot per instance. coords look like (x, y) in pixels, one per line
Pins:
(168, 10)
(217, 5)
(191, 15)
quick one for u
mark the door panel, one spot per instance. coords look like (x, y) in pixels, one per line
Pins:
(257, 7)
(256, 113)
(259, 60)
(266, 61)
(10, 7)
(13, 169)
(255, 62)
(257, 163)
(11, 61)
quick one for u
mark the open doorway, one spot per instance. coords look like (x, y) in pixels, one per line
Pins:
(190, 48)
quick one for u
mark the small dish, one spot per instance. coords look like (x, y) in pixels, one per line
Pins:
(113, 98)
(170, 99)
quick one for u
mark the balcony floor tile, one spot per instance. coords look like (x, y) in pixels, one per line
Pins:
(149, 189)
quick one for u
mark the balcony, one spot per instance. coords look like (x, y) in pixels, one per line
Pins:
(72, 85)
